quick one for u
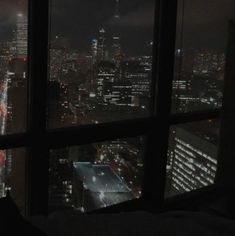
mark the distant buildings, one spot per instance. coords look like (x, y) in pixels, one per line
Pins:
(116, 54)
(117, 10)
(105, 85)
(13, 105)
(21, 35)
(94, 50)
(198, 80)
(102, 46)
(192, 157)
(93, 176)
(61, 180)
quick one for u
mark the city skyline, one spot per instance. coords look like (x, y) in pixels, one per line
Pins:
(100, 70)
(136, 21)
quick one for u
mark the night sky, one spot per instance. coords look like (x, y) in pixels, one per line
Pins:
(205, 22)
(80, 20)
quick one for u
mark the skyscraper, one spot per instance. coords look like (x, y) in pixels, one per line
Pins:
(94, 48)
(117, 10)
(101, 47)
(21, 35)
(105, 73)
(192, 158)
(116, 49)
(116, 44)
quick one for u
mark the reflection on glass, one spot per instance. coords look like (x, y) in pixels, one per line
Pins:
(12, 175)
(100, 67)
(202, 33)
(13, 66)
(96, 176)
(192, 156)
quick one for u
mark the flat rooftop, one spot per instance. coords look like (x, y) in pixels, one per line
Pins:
(100, 178)
(104, 185)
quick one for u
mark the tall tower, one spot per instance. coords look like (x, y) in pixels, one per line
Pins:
(116, 44)
(101, 46)
(117, 10)
(116, 49)
(21, 35)
(94, 49)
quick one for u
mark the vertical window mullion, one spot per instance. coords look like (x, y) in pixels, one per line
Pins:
(38, 57)
(163, 71)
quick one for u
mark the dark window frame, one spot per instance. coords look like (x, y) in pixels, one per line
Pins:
(38, 140)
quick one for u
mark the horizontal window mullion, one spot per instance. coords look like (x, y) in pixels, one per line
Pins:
(194, 116)
(80, 135)
(97, 133)
(14, 141)
(197, 194)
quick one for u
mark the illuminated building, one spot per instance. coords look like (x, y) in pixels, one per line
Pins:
(101, 47)
(58, 55)
(105, 73)
(61, 178)
(116, 49)
(116, 53)
(193, 161)
(94, 50)
(59, 112)
(117, 11)
(21, 35)
(117, 93)
(138, 73)
(206, 62)
(2, 173)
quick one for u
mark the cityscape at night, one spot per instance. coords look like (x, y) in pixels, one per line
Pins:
(100, 71)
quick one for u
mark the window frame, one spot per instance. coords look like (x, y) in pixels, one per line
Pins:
(38, 140)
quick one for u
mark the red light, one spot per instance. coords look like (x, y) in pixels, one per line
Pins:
(1, 158)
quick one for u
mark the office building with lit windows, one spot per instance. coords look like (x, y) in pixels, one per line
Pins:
(118, 93)
(21, 35)
(193, 161)
(105, 73)
(94, 50)
(102, 46)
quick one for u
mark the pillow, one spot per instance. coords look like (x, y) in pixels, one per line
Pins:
(11, 221)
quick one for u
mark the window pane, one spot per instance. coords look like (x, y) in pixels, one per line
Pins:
(13, 66)
(96, 176)
(202, 33)
(192, 156)
(100, 61)
(13, 175)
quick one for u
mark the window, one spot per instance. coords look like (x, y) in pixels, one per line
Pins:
(14, 175)
(197, 93)
(84, 95)
(13, 97)
(100, 71)
(202, 35)
(100, 61)
(13, 68)
(95, 176)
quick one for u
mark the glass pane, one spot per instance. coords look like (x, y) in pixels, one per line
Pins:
(97, 175)
(192, 156)
(13, 66)
(100, 61)
(202, 33)
(13, 175)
